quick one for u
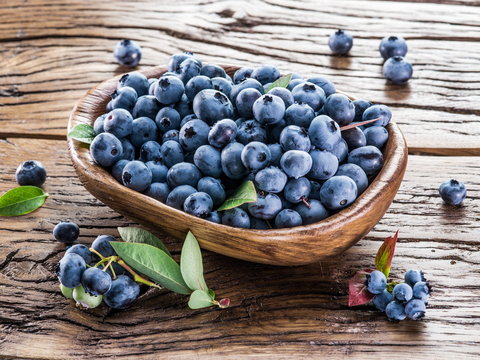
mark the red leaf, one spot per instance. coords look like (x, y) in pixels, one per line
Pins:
(357, 290)
(384, 257)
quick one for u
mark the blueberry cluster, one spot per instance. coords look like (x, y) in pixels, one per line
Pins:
(191, 137)
(408, 299)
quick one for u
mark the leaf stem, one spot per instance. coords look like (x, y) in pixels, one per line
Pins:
(97, 253)
(136, 277)
(108, 264)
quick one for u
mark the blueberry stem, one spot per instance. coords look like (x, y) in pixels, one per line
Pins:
(305, 202)
(136, 277)
(354, 125)
(108, 264)
(97, 253)
(222, 304)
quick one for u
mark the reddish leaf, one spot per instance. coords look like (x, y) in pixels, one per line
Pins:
(357, 290)
(384, 257)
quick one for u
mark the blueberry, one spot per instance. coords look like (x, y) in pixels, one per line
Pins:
(117, 169)
(324, 165)
(188, 69)
(415, 309)
(266, 207)
(124, 98)
(283, 94)
(355, 173)
(392, 46)
(369, 158)
(183, 174)
(355, 138)
(172, 153)
(297, 190)
(294, 82)
(377, 111)
(153, 84)
(271, 179)
(231, 158)
(198, 204)
(421, 291)
(212, 71)
(338, 192)
(177, 59)
(223, 85)
(106, 149)
(31, 172)
(143, 129)
(397, 70)
(146, 105)
(98, 124)
(255, 156)
(177, 196)
(208, 160)
(136, 176)
(66, 232)
(310, 94)
(268, 109)
(299, 114)
(214, 188)
(324, 133)
(128, 150)
(245, 100)
(376, 136)
(259, 224)
(158, 169)
(214, 217)
(222, 133)
(158, 191)
(85, 300)
(294, 137)
(67, 292)
(95, 281)
(187, 119)
(171, 135)
(402, 292)
(395, 311)
(340, 151)
(135, 80)
(122, 293)
(312, 214)
(340, 108)
(340, 42)
(128, 53)
(296, 163)
(453, 192)
(265, 74)
(183, 106)
(169, 90)
(382, 300)
(211, 106)
(151, 151)
(102, 245)
(413, 276)
(276, 152)
(376, 282)
(242, 74)
(193, 135)
(246, 84)
(360, 107)
(251, 130)
(197, 84)
(81, 250)
(288, 218)
(118, 122)
(236, 217)
(327, 86)
(70, 269)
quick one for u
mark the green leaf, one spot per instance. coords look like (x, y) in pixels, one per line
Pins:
(154, 263)
(191, 264)
(281, 82)
(383, 259)
(246, 193)
(21, 200)
(83, 133)
(138, 235)
(199, 299)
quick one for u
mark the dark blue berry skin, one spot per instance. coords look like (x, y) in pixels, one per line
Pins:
(106, 149)
(376, 282)
(255, 156)
(340, 151)
(171, 135)
(355, 138)
(66, 232)
(276, 152)
(242, 74)
(287, 218)
(197, 84)
(188, 69)
(246, 84)
(310, 94)
(340, 108)
(143, 129)
(397, 70)
(122, 293)
(395, 311)
(312, 214)
(211, 71)
(245, 100)
(360, 107)
(118, 122)
(151, 151)
(223, 85)
(102, 245)
(172, 153)
(268, 109)
(294, 137)
(402, 292)
(324, 133)
(177, 59)
(271, 179)
(415, 309)
(183, 174)
(369, 158)
(324, 165)
(421, 291)
(315, 188)
(413, 276)
(188, 118)
(355, 173)
(127, 53)
(177, 196)
(266, 207)
(124, 98)
(212, 105)
(392, 46)
(376, 136)
(327, 86)
(98, 124)
(222, 133)
(158, 191)
(251, 130)
(117, 169)
(283, 94)
(296, 163)
(158, 169)
(232, 164)
(81, 250)
(31, 172)
(128, 150)
(377, 111)
(95, 281)
(214, 188)
(193, 134)
(146, 105)
(265, 74)
(207, 159)
(338, 192)
(184, 106)
(135, 80)
(294, 82)
(297, 190)
(299, 114)
(70, 269)
(169, 90)
(274, 131)
(236, 217)
(340, 42)
(167, 119)
(453, 192)
(198, 204)
(136, 176)
(259, 224)
(214, 217)
(153, 84)
(382, 300)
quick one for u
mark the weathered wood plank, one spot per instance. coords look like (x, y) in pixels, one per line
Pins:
(276, 312)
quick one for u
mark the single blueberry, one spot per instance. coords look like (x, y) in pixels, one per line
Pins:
(340, 42)
(122, 293)
(95, 281)
(338, 192)
(271, 179)
(453, 192)
(128, 53)
(324, 165)
(376, 282)
(402, 292)
(106, 149)
(143, 129)
(212, 105)
(296, 163)
(236, 217)
(287, 218)
(397, 70)
(177, 196)
(312, 213)
(208, 160)
(183, 174)
(198, 204)
(118, 122)
(158, 191)
(222, 133)
(355, 173)
(136, 176)
(66, 232)
(369, 158)
(393, 46)
(310, 94)
(30, 172)
(70, 269)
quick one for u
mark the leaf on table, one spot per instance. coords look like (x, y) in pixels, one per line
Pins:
(383, 259)
(83, 133)
(191, 264)
(357, 289)
(153, 263)
(199, 299)
(139, 235)
(246, 193)
(22, 200)
(280, 82)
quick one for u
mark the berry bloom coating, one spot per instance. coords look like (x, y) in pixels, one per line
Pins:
(31, 172)
(123, 293)
(392, 46)
(84, 299)
(413, 276)
(169, 90)
(421, 291)
(402, 292)
(376, 282)
(128, 53)
(324, 165)
(340, 42)
(376, 136)
(453, 192)
(397, 70)
(324, 133)
(310, 94)
(95, 281)
(395, 311)
(415, 309)
(211, 106)
(382, 300)
(222, 133)
(268, 109)
(255, 156)
(66, 232)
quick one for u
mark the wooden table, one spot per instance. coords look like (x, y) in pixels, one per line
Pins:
(51, 52)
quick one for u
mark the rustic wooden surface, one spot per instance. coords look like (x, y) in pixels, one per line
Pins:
(52, 52)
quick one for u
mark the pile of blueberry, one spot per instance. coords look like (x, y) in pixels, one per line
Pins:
(191, 137)
(408, 299)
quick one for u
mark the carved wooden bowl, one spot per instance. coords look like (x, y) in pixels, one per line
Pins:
(291, 246)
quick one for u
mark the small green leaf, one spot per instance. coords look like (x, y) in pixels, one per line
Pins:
(384, 257)
(83, 133)
(191, 264)
(138, 235)
(246, 193)
(21, 200)
(154, 263)
(199, 299)
(281, 82)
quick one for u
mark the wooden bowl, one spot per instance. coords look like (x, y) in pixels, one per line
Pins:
(292, 246)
